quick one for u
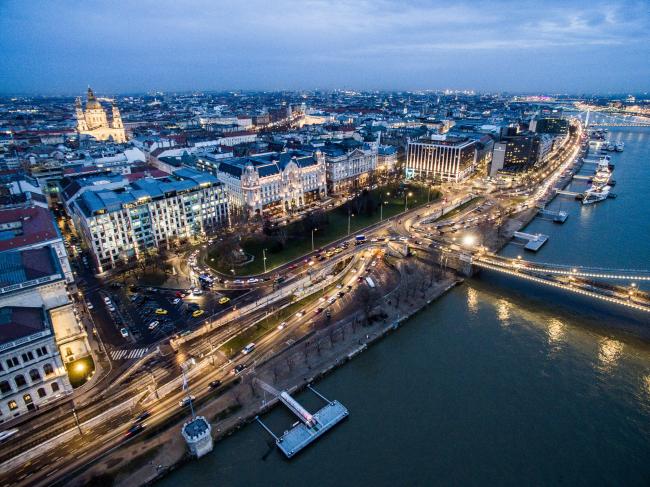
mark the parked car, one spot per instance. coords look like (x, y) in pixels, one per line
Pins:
(89, 305)
(153, 324)
(224, 300)
(197, 313)
(161, 311)
(124, 332)
(176, 300)
(197, 291)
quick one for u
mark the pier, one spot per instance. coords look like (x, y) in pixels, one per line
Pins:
(535, 241)
(557, 216)
(310, 426)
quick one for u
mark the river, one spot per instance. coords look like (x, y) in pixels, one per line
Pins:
(496, 383)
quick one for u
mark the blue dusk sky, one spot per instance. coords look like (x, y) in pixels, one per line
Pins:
(574, 46)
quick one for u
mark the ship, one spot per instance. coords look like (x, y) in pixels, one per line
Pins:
(619, 146)
(594, 195)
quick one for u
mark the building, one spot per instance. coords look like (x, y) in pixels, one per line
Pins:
(520, 152)
(123, 225)
(94, 122)
(273, 183)
(34, 277)
(386, 159)
(31, 370)
(349, 165)
(31, 228)
(553, 126)
(445, 159)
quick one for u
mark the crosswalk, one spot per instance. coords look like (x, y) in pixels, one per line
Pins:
(126, 354)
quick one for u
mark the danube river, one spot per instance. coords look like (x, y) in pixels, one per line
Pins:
(497, 383)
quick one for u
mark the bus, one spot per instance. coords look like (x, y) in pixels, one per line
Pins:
(370, 282)
(359, 239)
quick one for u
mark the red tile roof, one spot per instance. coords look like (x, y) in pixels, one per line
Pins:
(37, 226)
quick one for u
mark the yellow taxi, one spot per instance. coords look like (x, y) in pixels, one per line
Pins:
(198, 313)
(161, 311)
(224, 300)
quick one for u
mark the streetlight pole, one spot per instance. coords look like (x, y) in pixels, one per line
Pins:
(312, 238)
(406, 201)
(264, 259)
(349, 219)
(76, 420)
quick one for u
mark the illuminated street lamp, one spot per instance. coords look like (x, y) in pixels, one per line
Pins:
(312, 238)
(406, 200)
(469, 240)
(350, 215)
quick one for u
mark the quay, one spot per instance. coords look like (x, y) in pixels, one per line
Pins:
(535, 241)
(309, 427)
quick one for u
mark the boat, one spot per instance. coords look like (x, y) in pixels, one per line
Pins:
(619, 146)
(594, 195)
(611, 147)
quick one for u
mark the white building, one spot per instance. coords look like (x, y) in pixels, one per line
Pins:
(31, 370)
(121, 226)
(350, 164)
(275, 182)
(447, 159)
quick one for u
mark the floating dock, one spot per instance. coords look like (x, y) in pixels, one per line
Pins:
(310, 427)
(535, 241)
(557, 216)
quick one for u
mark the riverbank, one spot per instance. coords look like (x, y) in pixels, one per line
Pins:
(307, 360)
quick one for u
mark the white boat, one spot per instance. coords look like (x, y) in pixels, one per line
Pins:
(611, 147)
(620, 146)
(594, 195)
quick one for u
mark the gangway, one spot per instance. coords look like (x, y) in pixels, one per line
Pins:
(559, 216)
(310, 427)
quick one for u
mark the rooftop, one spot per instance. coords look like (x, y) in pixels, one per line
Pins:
(20, 321)
(22, 227)
(17, 267)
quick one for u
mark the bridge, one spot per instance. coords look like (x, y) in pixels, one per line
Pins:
(575, 279)
(617, 121)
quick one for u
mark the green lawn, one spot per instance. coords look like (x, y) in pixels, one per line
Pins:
(461, 208)
(337, 227)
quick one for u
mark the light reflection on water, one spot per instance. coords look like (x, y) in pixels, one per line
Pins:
(472, 300)
(609, 353)
(503, 311)
(555, 331)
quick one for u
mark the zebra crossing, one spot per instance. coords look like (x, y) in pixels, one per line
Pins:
(128, 353)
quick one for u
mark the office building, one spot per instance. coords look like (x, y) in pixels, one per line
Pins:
(440, 158)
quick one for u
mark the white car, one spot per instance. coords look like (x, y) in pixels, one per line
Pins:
(282, 325)
(153, 324)
(176, 301)
(197, 292)
(107, 300)
(186, 400)
(253, 280)
(124, 332)
(89, 305)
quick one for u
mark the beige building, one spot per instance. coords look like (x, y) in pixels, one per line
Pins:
(94, 122)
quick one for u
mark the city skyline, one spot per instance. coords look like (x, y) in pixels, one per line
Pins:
(60, 48)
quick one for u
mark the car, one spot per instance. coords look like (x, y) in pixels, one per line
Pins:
(197, 313)
(359, 279)
(340, 294)
(141, 417)
(107, 300)
(124, 332)
(5, 435)
(197, 292)
(253, 280)
(186, 400)
(161, 311)
(111, 308)
(237, 369)
(318, 310)
(282, 325)
(300, 314)
(373, 263)
(176, 300)
(214, 384)
(238, 281)
(331, 300)
(179, 294)
(134, 430)
(153, 324)
(248, 348)
(224, 300)
(339, 286)
(89, 305)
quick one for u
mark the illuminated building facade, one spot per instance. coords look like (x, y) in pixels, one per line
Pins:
(94, 122)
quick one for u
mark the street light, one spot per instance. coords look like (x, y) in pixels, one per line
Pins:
(264, 259)
(381, 210)
(406, 200)
(312, 238)
(350, 215)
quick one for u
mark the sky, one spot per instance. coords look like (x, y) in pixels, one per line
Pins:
(567, 46)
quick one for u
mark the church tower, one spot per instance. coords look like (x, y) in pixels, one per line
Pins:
(79, 115)
(117, 118)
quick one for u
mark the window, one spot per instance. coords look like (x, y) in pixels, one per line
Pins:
(20, 381)
(34, 375)
(47, 368)
(41, 392)
(55, 387)
(5, 387)
(13, 405)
